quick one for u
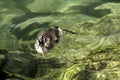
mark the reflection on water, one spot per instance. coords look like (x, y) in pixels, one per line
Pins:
(19, 11)
(22, 20)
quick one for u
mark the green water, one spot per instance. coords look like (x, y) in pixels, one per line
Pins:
(91, 54)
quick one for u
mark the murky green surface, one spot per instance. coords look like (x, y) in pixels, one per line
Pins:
(91, 54)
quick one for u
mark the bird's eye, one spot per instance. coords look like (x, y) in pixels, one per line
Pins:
(56, 27)
(41, 42)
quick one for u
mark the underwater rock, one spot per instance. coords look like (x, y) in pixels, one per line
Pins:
(114, 7)
(16, 65)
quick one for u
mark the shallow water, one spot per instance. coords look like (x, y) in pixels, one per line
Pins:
(92, 52)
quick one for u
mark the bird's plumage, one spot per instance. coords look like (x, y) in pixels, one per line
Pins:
(48, 39)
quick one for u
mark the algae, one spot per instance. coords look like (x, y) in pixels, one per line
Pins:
(91, 54)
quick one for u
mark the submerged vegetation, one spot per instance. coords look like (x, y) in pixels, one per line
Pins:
(93, 53)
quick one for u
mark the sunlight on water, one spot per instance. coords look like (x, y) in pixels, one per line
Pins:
(92, 53)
